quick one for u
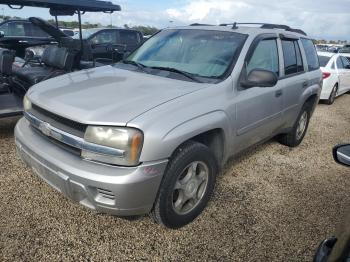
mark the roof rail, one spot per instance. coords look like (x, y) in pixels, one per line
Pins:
(197, 24)
(268, 26)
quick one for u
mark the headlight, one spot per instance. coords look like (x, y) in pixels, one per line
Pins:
(27, 104)
(127, 141)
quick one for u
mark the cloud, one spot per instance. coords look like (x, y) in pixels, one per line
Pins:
(320, 19)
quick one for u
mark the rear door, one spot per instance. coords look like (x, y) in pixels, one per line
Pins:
(341, 74)
(259, 110)
(294, 79)
(346, 74)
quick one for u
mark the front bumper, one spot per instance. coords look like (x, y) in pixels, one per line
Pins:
(121, 191)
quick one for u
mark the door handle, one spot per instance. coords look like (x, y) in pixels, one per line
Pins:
(279, 93)
(305, 84)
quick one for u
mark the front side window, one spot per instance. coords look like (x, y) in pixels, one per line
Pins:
(87, 33)
(265, 57)
(311, 54)
(16, 29)
(105, 37)
(201, 53)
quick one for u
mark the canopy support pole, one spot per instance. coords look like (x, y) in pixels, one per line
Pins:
(56, 22)
(80, 31)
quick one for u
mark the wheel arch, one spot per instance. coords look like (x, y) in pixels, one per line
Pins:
(212, 129)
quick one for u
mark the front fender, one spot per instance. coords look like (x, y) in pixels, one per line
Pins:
(162, 147)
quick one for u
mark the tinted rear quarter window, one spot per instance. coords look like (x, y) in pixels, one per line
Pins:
(311, 55)
(323, 60)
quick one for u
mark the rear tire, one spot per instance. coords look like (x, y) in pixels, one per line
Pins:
(299, 130)
(187, 186)
(332, 96)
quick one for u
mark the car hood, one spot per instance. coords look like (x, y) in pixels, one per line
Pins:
(107, 95)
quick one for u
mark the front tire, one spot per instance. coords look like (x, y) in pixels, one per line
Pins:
(299, 130)
(187, 186)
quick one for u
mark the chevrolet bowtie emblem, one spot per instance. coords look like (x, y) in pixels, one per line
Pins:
(45, 128)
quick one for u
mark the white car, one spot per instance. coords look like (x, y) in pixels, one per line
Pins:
(336, 75)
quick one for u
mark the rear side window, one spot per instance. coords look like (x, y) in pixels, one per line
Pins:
(311, 55)
(293, 62)
(35, 31)
(129, 37)
(323, 60)
(339, 63)
(346, 62)
(265, 56)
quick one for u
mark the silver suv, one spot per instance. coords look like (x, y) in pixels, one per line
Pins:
(150, 134)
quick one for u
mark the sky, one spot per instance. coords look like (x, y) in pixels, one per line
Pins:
(321, 19)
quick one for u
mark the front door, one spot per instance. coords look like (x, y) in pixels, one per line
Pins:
(259, 110)
(102, 44)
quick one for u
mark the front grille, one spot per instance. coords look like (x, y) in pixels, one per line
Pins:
(64, 124)
(73, 150)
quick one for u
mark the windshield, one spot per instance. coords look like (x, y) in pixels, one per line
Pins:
(200, 53)
(87, 33)
(324, 60)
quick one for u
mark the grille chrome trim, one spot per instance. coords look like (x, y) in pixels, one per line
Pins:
(69, 139)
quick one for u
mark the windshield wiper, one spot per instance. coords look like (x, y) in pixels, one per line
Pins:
(174, 70)
(138, 65)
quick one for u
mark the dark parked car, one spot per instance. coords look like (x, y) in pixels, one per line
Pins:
(21, 34)
(104, 39)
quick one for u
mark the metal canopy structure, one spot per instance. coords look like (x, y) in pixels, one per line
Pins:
(76, 5)
(66, 7)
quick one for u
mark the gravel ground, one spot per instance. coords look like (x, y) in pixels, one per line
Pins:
(271, 204)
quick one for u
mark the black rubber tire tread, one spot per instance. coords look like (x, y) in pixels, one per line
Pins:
(290, 139)
(162, 212)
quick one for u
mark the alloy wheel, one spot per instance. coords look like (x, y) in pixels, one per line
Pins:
(190, 187)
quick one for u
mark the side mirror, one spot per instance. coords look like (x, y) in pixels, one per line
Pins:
(2, 34)
(325, 249)
(260, 78)
(341, 154)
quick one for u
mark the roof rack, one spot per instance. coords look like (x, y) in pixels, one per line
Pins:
(263, 26)
(197, 24)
